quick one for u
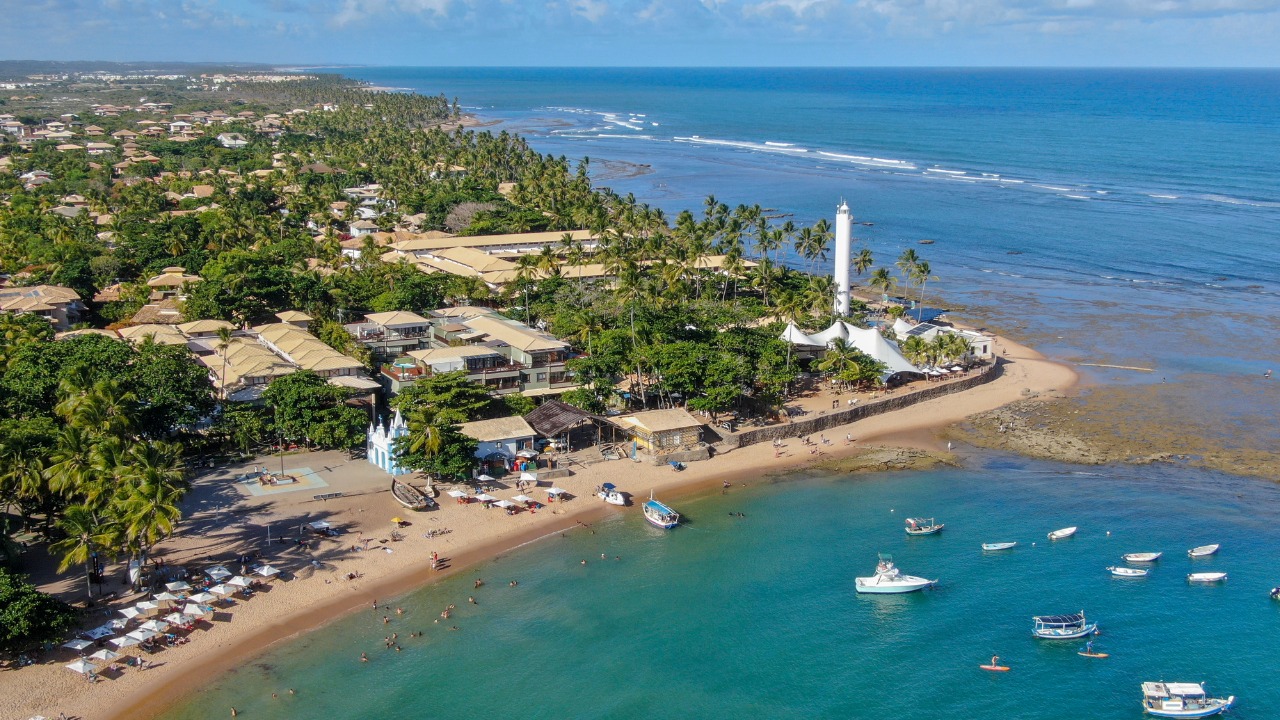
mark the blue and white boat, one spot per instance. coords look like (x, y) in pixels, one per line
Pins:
(659, 514)
(1182, 700)
(1063, 627)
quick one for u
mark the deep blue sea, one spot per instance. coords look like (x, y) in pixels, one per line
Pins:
(1128, 217)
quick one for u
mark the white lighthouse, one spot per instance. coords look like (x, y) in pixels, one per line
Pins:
(844, 249)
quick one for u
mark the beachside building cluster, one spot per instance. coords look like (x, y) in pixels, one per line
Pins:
(60, 305)
(504, 355)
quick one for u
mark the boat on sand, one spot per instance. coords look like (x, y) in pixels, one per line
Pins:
(410, 496)
(1063, 533)
(889, 580)
(609, 493)
(1203, 550)
(1182, 700)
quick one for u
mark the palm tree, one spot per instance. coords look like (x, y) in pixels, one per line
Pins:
(84, 534)
(840, 359)
(907, 262)
(863, 261)
(920, 275)
(149, 510)
(881, 280)
(425, 433)
(224, 342)
(916, 349)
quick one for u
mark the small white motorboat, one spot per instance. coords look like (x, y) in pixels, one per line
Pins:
(1063, 627)
(889, 580)
(1142, 557)
(1181, 700)
(1207, 577)
(1063, 533)
(1128, 572)
(1203, 550)
(923, 526)
(609, 493)
(998, 546)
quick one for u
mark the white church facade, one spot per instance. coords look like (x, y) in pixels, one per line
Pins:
(380, 445)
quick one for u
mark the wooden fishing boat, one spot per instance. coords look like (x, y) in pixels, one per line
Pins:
(659, 514)
(1145, 557)
(1203, 551)
(1063, 627)
(1128, 572)
(923, 526)
(1207, 577)
(410, 496)
(1062, 534)
(1182, 700)
(998, 546)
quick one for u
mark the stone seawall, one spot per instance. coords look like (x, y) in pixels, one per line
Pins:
(861, 412)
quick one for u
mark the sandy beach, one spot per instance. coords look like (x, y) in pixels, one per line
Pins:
(226, 519)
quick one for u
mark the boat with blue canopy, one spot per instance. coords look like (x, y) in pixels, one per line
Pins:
(660, 515)
(1182, 700)
(1063, 627)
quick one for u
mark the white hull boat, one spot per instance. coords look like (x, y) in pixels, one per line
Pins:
(1203, 551)
(1142, 557)
(998, 546)
(1182, 700)
(660, 515)
(1127, 572)
(1211, 577)
(923, 526)
(889, 580)
(609, 493)
(1062, 534)
(1063, 627)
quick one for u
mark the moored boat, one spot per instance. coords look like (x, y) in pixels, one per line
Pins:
(1063, 533)
(1275, 593)
(610, 494)
(1203, 550)
(1142, 557)
(923, 526)
(410, 496)
(998, 546)
(1182, 700)
(1207, 577)
(1127, 572)
(660, 515)
(1062, 627)
(889, 580)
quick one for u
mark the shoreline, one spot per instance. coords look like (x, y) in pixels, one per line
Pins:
(278, 615)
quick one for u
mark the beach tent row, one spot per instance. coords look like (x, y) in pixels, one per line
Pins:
(867, 340)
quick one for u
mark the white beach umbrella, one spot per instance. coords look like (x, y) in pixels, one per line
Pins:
(156, 626)
(529, 477)
(202, 597)
(222, 590)
(178, 586)
(82, 666)
(196, 611)
(124, 641)
(102, 631)
(148, 608)
(166, 599)
(217, 573)
(522, 498)
(178, 619)
(527, 454)
(504, 504)
(485, 497)
(104, 655)
(240, 581)
(77, 644)
(319, 525)
(267, 571)
(556, 491)
(485, 478)
(457, 494)
(142, 635)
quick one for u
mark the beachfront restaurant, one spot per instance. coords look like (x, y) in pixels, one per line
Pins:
(503, 436)
(662, 431)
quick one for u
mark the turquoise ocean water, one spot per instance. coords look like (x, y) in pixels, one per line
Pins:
(1122, 217)
(756, 616)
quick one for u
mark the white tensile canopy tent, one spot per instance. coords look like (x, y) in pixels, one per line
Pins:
(77, 644)
(177, 587)
(505, 504)
(268, 571)
(82, 666)
(124, 641)
(104, 655)
(867, 340)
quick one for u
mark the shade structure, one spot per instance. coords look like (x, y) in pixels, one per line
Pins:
(319, 525)
(197, 611)
(155, 626)
(202, 597)
(102, 630)
(505, 504)
(165, 599)
(142, 634)
(104, 655)
(268, 571)
(222, 590)
(527, 454)
(522, 499)
(148, 608)
(556, 491)
(529, 477)
(178, 619)
(124, 641)
(77, 644)
(397, 521)
(485, 478)
(485, 497)
(456, 494)
(240, 581)
(82, 666)
(177, 587)
(217, 573)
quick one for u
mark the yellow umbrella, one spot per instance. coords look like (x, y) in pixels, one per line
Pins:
(396, 521)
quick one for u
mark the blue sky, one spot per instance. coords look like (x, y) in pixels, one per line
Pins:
(650, 32)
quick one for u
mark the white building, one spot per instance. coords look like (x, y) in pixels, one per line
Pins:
(504, 436)
(380, 445)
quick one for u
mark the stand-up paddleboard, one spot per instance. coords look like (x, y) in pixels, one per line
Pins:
(1093, 655)
(995, 668)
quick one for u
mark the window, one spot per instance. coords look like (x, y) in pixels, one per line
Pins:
(540, 377)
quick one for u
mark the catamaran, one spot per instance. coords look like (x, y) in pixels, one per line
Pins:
(1182, 700)
(1063, 627)
(609, 493)
(923, 526)
(889, 580)
(660, 515)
